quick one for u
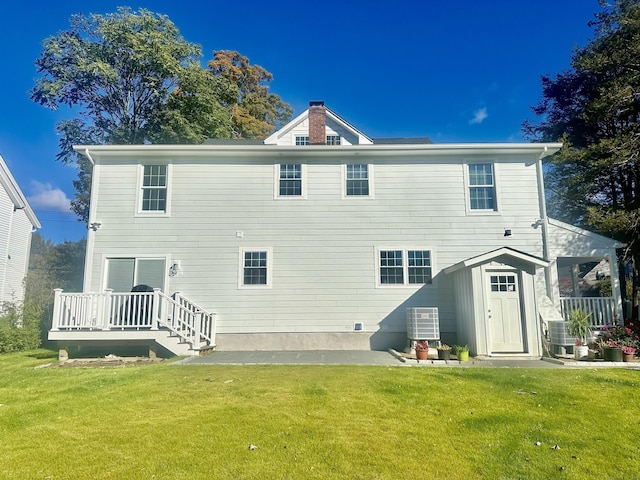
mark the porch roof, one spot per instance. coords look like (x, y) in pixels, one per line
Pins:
(495, 254)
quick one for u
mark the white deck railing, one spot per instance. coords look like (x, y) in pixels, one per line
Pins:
(133, 311)
(603, 310)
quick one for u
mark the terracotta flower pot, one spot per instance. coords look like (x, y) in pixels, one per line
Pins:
(422, 354)
(628, 357)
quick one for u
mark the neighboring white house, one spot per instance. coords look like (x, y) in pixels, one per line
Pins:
(322, 238)
(17, 221)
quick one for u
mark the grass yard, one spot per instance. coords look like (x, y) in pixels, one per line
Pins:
(163, 421)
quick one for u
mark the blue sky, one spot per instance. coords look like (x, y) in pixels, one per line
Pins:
(456, 71)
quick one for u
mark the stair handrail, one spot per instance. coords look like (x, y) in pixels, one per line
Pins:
(187, 320)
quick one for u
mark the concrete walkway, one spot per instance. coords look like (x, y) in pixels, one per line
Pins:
(353, 357)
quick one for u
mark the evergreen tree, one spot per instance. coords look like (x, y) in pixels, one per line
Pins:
(594, 109)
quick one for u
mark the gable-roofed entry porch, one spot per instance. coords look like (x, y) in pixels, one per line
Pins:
(495, 302)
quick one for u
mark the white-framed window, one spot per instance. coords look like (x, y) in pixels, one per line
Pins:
(255, 268)
(154, 191)
(124, 273)
(302, 140)
(333, 139)
(481, 185)
(290, 181)
(357, 180)
(404, 266)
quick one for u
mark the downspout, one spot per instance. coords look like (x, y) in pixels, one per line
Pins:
(88, 257)
(544, 222)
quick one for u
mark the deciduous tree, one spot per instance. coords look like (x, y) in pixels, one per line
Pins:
(132, 79)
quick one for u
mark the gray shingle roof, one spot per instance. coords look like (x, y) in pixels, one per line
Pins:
(233, 141)
(402, 141)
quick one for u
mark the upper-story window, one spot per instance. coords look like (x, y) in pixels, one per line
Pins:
(290, 180)
(154, 188)
(482, 187)
(357, 180)
(302, 140)
(333, 139)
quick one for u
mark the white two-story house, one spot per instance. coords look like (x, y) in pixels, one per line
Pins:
(320, 237)
(17, 222)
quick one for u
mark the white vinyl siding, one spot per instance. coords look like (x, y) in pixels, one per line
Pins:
(323, 247)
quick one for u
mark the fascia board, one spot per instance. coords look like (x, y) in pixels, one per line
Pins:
(15, 193)
(103, 151)
(489, 256)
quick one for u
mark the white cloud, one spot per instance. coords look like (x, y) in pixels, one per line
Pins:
(45, 197)
(479, 116)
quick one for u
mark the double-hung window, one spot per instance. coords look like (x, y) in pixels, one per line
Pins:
(255, 268)
(419, 266)
(482, 187)
(302, 140)
(290, 180)
(154, 188)
(391, 267)
(404, 267)
(356, 180)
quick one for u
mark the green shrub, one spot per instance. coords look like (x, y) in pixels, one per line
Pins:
(18, 331)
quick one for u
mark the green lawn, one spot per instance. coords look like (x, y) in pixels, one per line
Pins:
(163, 421)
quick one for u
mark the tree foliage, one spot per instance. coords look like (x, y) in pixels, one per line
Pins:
(131, 78)
(24, 325)
(254, 111)
(594, 109)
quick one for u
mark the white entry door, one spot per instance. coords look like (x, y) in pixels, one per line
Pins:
(505, 320)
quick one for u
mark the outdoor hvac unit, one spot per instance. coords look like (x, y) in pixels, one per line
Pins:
(423, 323)
(559, 334)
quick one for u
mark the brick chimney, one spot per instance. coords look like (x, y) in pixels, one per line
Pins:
(317, 123)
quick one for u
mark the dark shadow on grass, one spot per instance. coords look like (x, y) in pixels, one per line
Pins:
(43, 355)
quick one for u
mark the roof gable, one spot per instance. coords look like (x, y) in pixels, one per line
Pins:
(15, 194)
(581, 232)
(510, 253)
(334, 123)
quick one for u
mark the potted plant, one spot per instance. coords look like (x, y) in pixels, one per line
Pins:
(444, 351)
(422, 349)
(615, 337)
(580, 328)
(462, 351)
(612, 351)
(628, 352)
